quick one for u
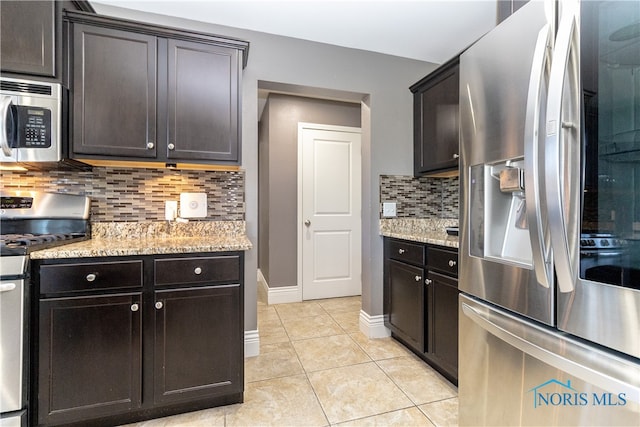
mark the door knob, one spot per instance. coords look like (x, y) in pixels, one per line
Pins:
(307, 223)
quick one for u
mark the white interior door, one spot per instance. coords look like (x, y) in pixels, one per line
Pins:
(329, 197)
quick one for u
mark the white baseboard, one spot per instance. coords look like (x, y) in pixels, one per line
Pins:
(251, 343)
(373, 326)
(281, 295)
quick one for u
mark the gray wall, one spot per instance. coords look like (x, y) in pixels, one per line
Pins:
(278, 153)
(386, 122)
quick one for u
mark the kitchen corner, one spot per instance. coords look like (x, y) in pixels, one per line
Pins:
(421, 267)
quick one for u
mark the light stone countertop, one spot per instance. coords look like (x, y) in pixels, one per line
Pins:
(424, 230)
(152, 238)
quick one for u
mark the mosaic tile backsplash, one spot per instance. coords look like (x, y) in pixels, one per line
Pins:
(423, 197)
(131, 194)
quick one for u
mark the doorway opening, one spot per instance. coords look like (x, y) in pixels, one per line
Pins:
(282, 109)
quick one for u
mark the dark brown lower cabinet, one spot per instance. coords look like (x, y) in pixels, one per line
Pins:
(406, 301)
(197, 353)
(124, 339)
(421, 301)
(90, 357)
(444, 344)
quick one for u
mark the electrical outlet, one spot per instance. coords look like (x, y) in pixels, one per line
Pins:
(389, 209)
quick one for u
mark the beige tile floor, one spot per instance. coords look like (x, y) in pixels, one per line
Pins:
(316, 369)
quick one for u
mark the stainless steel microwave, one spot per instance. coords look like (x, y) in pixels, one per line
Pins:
(30, 122)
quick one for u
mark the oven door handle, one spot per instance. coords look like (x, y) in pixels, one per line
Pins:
(5, 111)
(6, 287)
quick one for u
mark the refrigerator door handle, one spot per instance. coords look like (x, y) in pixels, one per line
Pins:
(536, 97)
(563, 152)
(602, 370)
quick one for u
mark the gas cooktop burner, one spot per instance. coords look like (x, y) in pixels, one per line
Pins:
(33, 221)
(13, 240)
(21, 244)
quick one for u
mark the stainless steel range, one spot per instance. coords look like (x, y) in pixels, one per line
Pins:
(29, 221)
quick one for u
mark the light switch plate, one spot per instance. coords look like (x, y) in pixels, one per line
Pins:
(389, 209)
(193, 205)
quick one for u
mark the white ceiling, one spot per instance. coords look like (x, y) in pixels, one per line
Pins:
(428, 30)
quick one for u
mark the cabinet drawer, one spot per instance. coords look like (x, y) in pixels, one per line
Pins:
(401, 250)
(176, 271)
(442, 260)
(90, 276)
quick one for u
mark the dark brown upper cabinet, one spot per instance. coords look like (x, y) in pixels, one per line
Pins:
(435, 122)
(28, 37)
(31, 37)
(153, 94)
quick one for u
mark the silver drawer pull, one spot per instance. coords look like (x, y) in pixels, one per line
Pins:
(159, 305)
(452, 263)
(428, 281)
(135, 307)
(418, 278)
(401, 251)
(171, 146)
(455, 156)
(198, 270)
(91, 277)
(150, 145)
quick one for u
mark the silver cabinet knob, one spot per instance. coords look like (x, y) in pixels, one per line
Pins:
(401, 251)
(150, 145)
(91, 277)
(307, 223)
(452, 263)
(455, 156)
(428, 281)
(197, 270)
(159, 305)
(135, 307)
(418, 278)
(171, 146)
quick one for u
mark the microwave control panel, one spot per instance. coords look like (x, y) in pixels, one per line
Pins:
(34, 127)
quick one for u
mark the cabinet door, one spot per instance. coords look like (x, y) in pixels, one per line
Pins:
(198, 343)
(436, 123)
(202, 102)
(114, 101)
(89, 357)
(406, 302)
(28, 37)
(444, 323)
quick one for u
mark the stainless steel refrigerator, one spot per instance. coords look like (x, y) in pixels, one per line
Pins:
(550, 218)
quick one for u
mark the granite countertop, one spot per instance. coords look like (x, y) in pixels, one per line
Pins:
(422, 230)
(151, 238)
